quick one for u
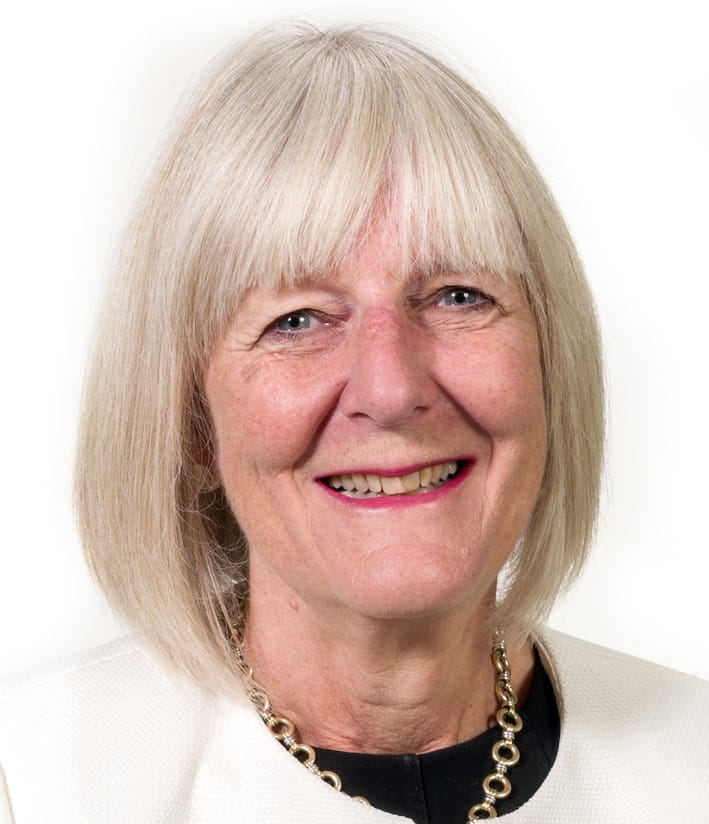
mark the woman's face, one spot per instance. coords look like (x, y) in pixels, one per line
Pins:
(384, 381)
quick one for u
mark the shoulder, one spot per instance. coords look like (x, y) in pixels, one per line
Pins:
(631, 735)
(109, 719)
(593, 674)
(104, 685)
(126, 654)
(115, 736)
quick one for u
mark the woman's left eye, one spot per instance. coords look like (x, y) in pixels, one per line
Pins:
(296, 321)
(462, 296)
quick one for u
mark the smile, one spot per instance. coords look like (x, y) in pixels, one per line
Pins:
(419, 482)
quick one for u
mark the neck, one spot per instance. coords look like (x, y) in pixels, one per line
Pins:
(375, 685)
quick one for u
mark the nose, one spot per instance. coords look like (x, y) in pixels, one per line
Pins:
(389, 376)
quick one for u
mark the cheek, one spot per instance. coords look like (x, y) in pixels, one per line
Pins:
(266, 421)
(500, 387)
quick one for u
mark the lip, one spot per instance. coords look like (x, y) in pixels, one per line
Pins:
(395, 501)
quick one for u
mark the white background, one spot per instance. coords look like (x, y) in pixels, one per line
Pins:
(613, 103)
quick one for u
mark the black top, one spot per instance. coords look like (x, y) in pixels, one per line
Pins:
(440, 787)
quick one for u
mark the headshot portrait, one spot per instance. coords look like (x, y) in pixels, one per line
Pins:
(355, 415)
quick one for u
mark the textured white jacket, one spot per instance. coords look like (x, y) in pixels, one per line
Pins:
(115, 737)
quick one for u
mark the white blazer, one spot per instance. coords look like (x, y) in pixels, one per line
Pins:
(116, 738)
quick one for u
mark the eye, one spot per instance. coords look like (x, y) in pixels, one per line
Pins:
(296, 321)
(462, 296)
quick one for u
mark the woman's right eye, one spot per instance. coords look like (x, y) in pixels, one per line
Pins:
(301, 326)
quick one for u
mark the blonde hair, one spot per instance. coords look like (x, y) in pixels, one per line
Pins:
(295, 144)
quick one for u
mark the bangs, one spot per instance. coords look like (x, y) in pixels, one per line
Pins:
(316, 145)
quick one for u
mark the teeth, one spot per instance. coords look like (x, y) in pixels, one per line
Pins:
(392, 486)
(411, 482)
(423, 480)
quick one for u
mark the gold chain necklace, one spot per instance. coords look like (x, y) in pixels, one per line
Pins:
(505, 753)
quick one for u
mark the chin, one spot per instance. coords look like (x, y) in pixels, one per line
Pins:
(393, 592)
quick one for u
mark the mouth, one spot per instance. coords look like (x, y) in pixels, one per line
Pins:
(419, 482)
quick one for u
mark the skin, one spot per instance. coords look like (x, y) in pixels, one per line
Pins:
(365, 621)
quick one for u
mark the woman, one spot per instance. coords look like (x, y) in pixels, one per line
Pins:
(340, 452)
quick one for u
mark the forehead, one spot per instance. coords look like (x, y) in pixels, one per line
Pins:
(382, 253)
